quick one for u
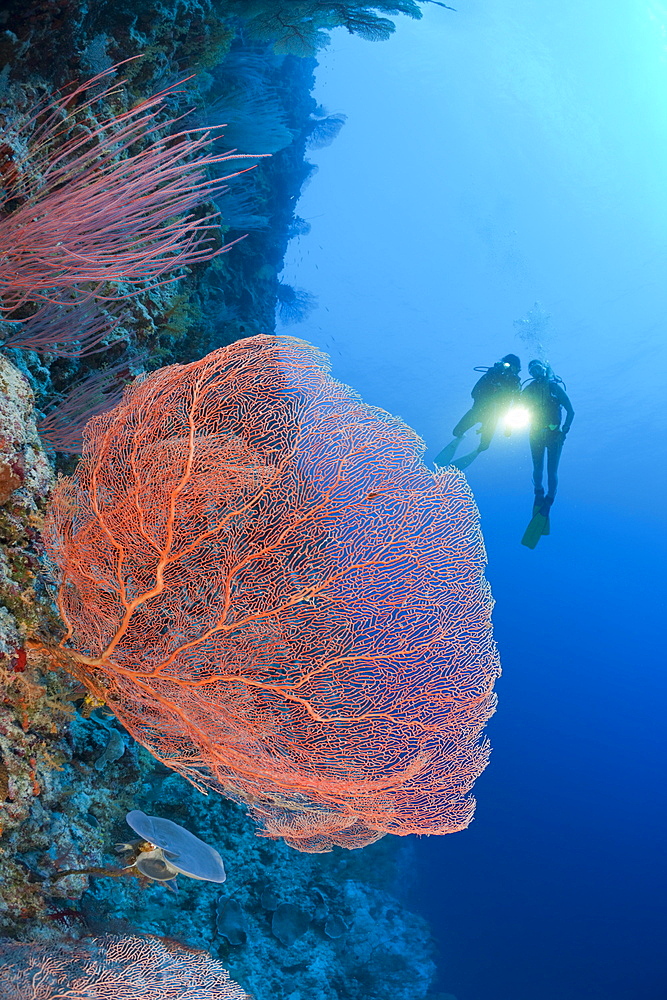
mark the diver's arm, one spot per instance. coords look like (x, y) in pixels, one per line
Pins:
(569, 410)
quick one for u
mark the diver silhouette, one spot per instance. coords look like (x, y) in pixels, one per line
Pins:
(545, 397)
(492, 394)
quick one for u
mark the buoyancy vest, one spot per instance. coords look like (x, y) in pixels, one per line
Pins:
(496, 383)
(543, 398)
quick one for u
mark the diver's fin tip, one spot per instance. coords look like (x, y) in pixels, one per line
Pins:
(465, 460)
(535, 530)
(444, 458)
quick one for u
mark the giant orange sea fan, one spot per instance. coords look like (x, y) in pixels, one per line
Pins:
(276, 597)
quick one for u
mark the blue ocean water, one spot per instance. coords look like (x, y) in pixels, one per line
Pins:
(500, 163)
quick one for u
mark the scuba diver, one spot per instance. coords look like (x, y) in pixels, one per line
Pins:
(492, 394)
(545, 397)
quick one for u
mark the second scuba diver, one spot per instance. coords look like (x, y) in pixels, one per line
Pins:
(492, 395)
(545, 398)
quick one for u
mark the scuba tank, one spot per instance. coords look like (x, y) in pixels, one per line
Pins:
(554, 378)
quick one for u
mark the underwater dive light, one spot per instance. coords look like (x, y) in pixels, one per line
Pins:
(516, 418)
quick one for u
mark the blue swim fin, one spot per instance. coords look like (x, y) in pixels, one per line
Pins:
(446, 456)
(539, 524)
(535, 530)
(465, 460)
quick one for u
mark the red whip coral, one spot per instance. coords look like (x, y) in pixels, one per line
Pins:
(89, 201)
(62, 425)
(112, 968)
(273, 593)
(72, 328)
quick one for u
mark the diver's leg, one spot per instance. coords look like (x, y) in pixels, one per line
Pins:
(537, 445)
(488, 429)
(539, 524)
(554, 447)
(474, 416)
(467, 421)
(489, 419)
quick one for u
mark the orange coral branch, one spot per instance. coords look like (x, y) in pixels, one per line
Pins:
(277, 597)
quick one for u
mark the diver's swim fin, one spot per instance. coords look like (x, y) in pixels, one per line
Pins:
(447, 454)
(465, 460)
(535, 530)
(540, 524)
(537, 507)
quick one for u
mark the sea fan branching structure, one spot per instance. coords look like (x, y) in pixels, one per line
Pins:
(112, 968)
(275, 596)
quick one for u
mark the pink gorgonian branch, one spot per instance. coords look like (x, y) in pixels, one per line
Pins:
(61, 427)
(110, 201)
(73, 327)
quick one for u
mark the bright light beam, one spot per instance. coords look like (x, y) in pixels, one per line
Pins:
(516, 418)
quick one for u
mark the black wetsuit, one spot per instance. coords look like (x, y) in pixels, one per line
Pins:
(545, 398)
(492, 394)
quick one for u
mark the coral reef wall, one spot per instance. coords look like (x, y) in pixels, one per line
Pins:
(266, 99)
(285, 924)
